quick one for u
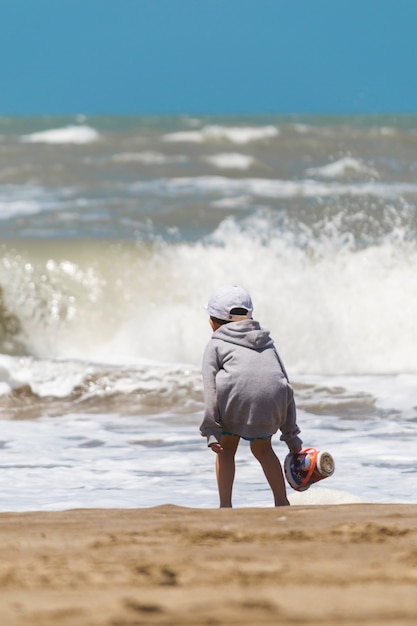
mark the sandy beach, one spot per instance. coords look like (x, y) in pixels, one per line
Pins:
(337, 564)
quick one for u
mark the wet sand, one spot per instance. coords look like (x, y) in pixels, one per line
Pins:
(310, 565)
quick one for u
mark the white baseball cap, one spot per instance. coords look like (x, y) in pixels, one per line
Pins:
(227, 298)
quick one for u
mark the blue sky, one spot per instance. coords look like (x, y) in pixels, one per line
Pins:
(208, 56)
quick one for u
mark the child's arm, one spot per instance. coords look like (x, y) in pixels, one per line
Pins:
(289, 428)
(210, 426)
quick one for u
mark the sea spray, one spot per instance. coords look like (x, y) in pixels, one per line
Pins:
(332, 308)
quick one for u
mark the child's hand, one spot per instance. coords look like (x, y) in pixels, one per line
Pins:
(216, 447)
(296, 445)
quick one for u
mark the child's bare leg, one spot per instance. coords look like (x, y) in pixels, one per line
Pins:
(262, 450)
(225, 469)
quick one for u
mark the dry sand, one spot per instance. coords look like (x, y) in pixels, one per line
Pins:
(309, 565)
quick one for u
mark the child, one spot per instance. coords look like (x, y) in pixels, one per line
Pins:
(246, 393)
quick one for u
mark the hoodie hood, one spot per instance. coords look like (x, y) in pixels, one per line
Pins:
(246, 333)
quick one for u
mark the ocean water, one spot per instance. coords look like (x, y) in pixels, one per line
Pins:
(114, 232)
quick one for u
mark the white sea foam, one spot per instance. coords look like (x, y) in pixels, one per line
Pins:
(148, 158)
(29, 200)
(233, 134)
(232, 203)
(69, 134)
(18, 207)
(319, 495)
(44, 378)
(398, 390)
(135, 387)
(343, 167)
(271, 188)
(231, 160)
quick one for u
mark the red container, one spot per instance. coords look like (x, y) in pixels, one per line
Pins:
(304, 468)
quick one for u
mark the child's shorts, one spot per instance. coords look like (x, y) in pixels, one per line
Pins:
(248, 438)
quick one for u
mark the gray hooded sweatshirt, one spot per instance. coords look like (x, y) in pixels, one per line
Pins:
(246, 389)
